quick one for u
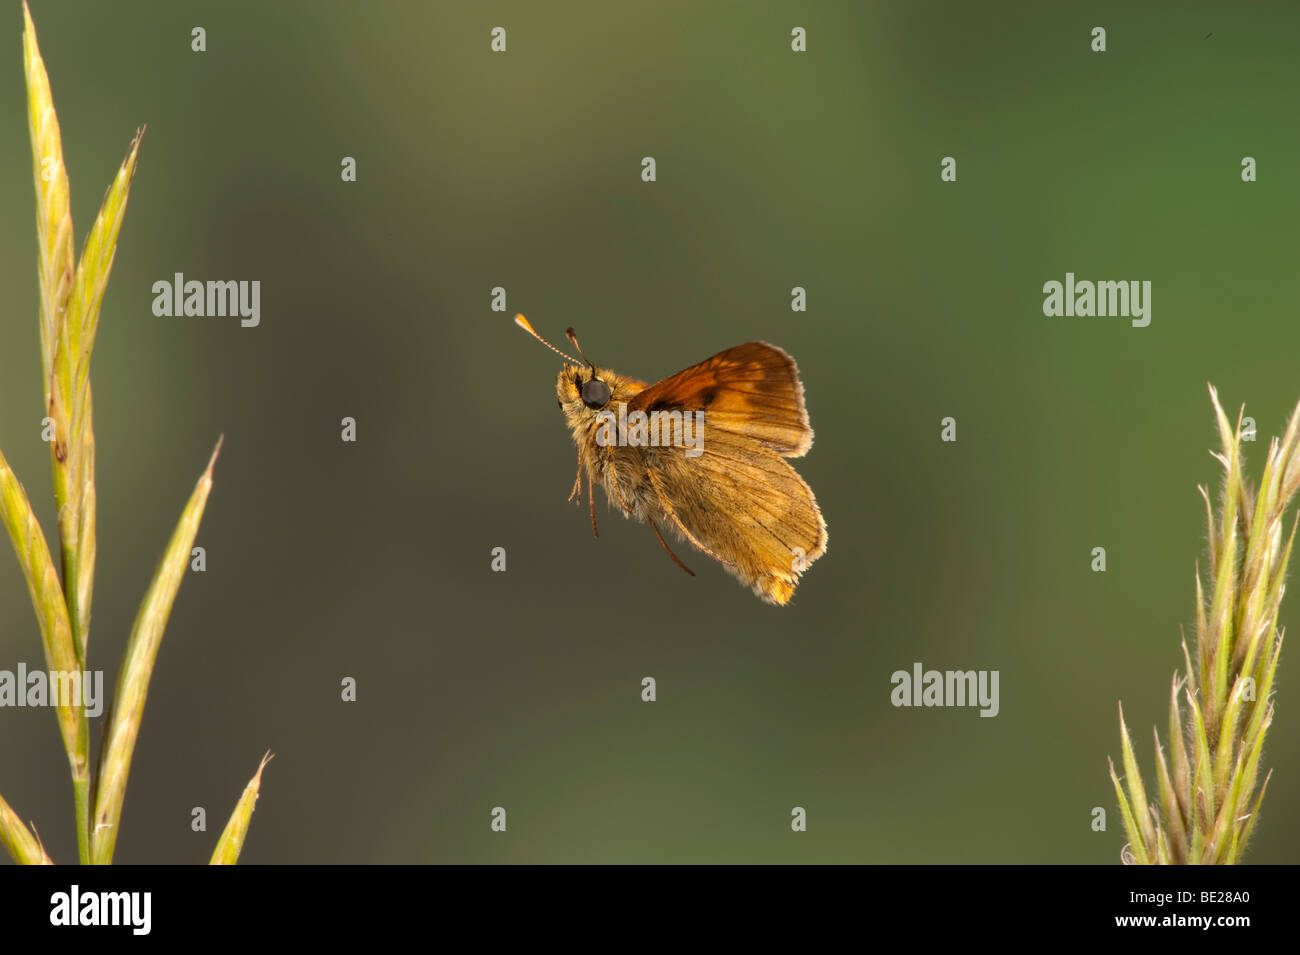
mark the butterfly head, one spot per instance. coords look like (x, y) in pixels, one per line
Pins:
(582, 389)
(590, 388)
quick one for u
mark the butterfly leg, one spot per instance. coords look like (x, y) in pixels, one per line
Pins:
(611, 482)
(577, 481)
(591, 506)
(664, 543)
(668, 509)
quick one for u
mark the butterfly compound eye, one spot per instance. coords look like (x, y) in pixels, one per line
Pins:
(595, 393)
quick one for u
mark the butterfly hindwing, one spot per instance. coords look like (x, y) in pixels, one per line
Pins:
(748, 507)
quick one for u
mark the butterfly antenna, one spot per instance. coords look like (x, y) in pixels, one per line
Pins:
(569, 334)
(523, 323)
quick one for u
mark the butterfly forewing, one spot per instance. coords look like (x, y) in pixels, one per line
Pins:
(752, 389)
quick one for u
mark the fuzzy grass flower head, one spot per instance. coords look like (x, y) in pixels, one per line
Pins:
(1221, 707)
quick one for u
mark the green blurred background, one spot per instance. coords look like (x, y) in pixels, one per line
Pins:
(522, 170)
